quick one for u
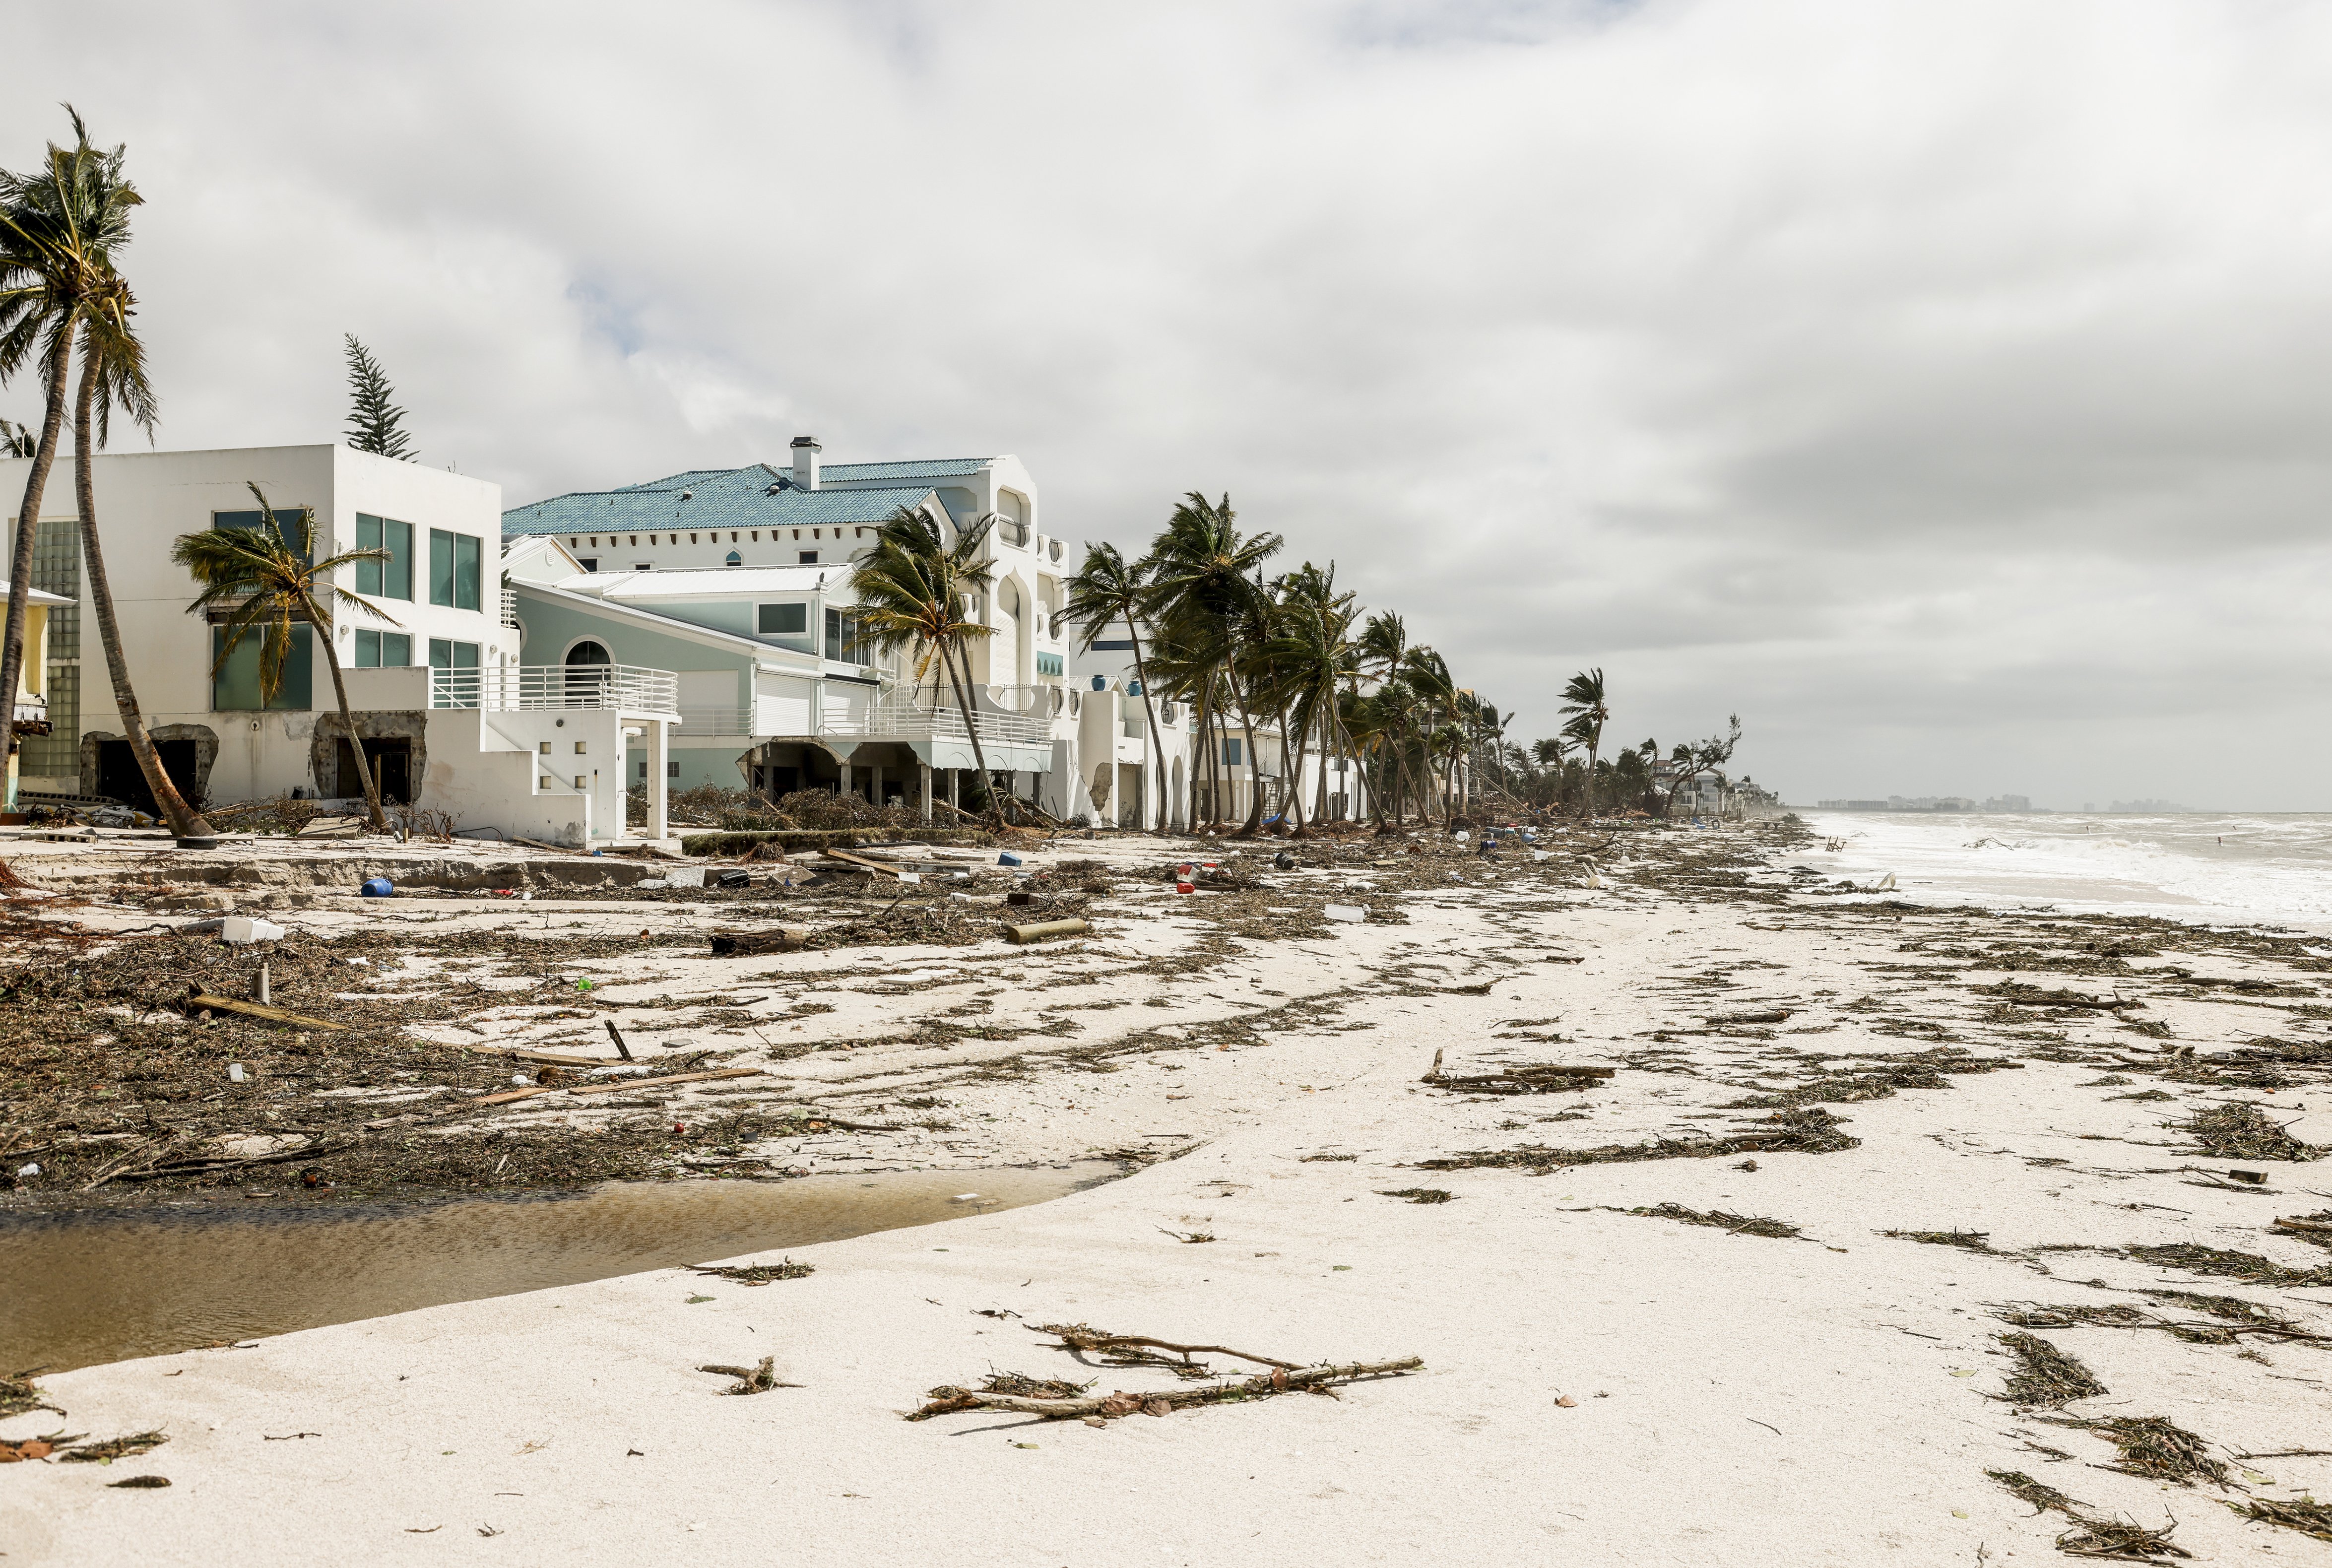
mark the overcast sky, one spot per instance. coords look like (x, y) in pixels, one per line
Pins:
(1943, 387)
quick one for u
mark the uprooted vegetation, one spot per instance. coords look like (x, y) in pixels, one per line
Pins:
(2239, 1130)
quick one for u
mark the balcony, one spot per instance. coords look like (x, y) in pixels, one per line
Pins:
(525, 688)
(510, 607)
(32, 714)
(887, 720)
(736, 722)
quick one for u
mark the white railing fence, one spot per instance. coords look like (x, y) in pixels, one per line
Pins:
(521, 688)
(944, 723)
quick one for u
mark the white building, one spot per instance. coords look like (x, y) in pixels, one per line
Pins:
(738, 580)
(440, 703)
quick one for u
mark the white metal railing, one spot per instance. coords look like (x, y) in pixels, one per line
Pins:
(715, 721)
(945, 723)
(518, 688)
(510, 607)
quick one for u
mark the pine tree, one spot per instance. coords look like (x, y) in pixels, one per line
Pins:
(374, 422)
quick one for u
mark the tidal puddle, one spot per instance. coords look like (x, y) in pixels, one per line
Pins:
(83, 1287)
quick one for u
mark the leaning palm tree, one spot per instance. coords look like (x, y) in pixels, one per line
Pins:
(262, 579)
(113, 373)
(1201, 586)
(911, 589)
(18, 440)
(59, 229)
(1109, 589)
(1583, 701)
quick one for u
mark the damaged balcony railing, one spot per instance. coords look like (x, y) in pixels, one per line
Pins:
(518, 688)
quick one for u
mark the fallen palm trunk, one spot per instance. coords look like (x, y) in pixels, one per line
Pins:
(1042, 929)
(1278, 1380)
(748, 944)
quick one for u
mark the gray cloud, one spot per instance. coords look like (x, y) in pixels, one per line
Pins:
(1943, 389)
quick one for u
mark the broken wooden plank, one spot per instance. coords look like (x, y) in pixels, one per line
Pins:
(258, 1010)
(506, 1096)
(667, 1078)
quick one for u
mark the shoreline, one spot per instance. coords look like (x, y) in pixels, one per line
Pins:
(1723, 1383)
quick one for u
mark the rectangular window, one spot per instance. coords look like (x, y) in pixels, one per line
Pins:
(1231, 753)
(588, 562)
(391, 578)
(783, 620)
(452, 655)
(235, 688)
(287, 518)
(809, 557)
(455, 569)
(1049, 664)
(383, 650)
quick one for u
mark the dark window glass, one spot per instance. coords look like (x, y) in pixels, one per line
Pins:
(441, 568)
(1231, 753)
(809, 557)
(287, 518)
(235, 688)
(587, 562)
(396, 649)
(452, 655)
(467, 553)
(367, 576)
(834, 634)
(784, 620)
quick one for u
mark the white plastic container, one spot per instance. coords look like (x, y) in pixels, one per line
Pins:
(1352, 912)
(243, 931)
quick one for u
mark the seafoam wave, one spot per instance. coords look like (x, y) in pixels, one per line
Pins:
(2265, 869)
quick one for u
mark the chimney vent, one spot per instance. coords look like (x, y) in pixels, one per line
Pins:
(806, 451)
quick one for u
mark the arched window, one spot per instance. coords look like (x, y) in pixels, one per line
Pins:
(588, 667)
(736, 559)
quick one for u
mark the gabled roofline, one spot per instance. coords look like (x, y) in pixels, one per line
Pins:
(669, 626)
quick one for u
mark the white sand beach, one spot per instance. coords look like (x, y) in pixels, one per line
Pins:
(1598, 1386)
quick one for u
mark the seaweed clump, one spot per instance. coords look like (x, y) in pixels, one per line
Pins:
(2046, 1377)
(2239, 1129)
(2041, 1496)
(1811, 1131)
(1717, 1219)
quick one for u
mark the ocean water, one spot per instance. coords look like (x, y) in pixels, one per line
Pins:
(2267, 869)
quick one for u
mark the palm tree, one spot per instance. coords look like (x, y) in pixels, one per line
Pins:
(911, 589)
(113, 373)
(1311, 656)
(1583, 701)
(18, 440)
(1201, 585)
(59, 228)
(1108, 589)
(261, 579)
(1427, 674)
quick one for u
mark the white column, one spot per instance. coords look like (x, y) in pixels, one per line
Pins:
(659, 823)
(955, 788)
(846, 785)
(877, 782)
(923, 772)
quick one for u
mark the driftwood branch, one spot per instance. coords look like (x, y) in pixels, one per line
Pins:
(1081, 1336)
(1278, 1380)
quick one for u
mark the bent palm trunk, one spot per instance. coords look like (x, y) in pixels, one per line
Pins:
(365, 769)
(1157, 742)
(971, 727)
(185, 821)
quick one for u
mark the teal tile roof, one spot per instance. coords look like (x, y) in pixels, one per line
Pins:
(716, 498)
